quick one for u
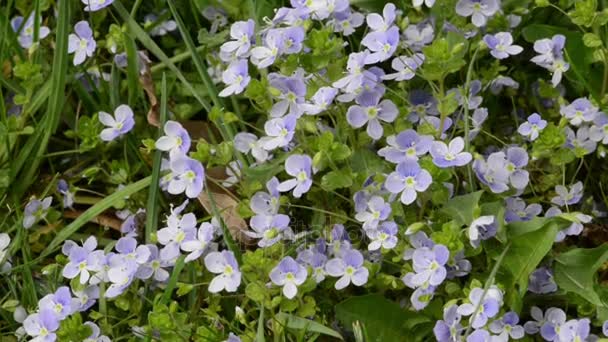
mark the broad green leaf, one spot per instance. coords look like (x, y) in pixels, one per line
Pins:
(299, 323)
(575, 271)
(337, 179)
(368, 162)
(265, 171)
(584, 12)
(526, 252)
(463, 209)
(382, 319)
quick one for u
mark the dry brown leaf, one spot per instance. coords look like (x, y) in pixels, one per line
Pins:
(227, 205)
(228, 208)
(148, 84)
(102, 220)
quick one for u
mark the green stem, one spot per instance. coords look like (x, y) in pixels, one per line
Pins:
(486, 287)
(324, 212)
(465, 96)
(175, 59)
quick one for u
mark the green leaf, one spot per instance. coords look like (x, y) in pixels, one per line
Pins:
(299, 323)
(592, 40)
(94, 211)
(575, 271)
(339, 151)
(184, 288)
(463, 208)
(337, 179)
(444, 56)
(382, 319)
(584, 12)
(265, 171)
(526, 252)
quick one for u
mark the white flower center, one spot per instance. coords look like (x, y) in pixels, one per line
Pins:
(190, 175)
(372, 112)
(302, 176)
(228, 270)
(180, 236)
(271, 233)
(410, 181)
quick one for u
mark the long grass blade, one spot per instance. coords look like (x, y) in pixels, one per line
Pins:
(146, 41)
(177, 269)
(152, 205)
(38, 142)
(94, 211)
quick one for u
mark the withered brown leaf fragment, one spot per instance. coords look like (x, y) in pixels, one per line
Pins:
(227, 206)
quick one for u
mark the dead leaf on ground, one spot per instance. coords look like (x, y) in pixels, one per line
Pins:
(148, 84)
(227, 205)
(102, 220)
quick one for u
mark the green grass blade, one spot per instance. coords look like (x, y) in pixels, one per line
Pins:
(132, 69)
(94, 211)
(146, 41)
(39, 141)
(196, 58)
(177, 269)
(152, 205)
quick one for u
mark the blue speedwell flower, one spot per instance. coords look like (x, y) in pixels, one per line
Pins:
(349, 268)
(176, 140)
(236, 77)
(26, 34)
(35, 210)
(42, 325)
(490, 304)
(407, 145)
(227, 269)
(96, 5)
(507, 328)
(501, 45)
(242, 34)
(82, 44)
(478, 10)
(452, 155)
(376, 211)
(550, 56)
(532, 127)
(408, 179)
(300, 167)
(121, 123)
(289, 274)
(188, 177)
(369, 110)
(270, 229)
